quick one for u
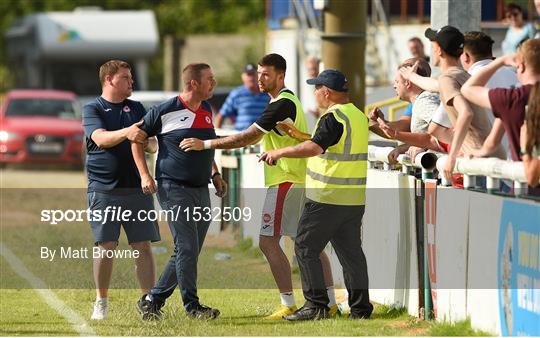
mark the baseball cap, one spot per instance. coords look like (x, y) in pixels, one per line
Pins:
(250, 68)
(331, 78)
(448, 37)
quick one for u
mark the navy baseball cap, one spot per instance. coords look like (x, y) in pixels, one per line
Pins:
(250, 68)
(331, 78)
(449, 38)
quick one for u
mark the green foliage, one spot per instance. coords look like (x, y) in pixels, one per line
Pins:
(6, 80)
(251, 53)
(181, 18)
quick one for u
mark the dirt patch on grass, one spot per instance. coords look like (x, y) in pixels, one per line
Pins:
(225, 239)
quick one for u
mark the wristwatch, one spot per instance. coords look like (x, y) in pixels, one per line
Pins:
(215, 174)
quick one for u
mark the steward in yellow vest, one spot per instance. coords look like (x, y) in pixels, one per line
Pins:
(335, 191)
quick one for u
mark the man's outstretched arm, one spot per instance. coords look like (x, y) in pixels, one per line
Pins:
(475, 91)
(249, 136)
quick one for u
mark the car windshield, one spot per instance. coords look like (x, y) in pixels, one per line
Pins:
(42, 107)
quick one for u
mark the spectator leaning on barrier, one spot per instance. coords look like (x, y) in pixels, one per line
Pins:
(335, 191)
(424, 105)
(471, 125)
(507, 104)
(477, 54)
(285, 181)
(530, 138)
(245, 103)
(110, 122)
(519, 30)
(182, 186)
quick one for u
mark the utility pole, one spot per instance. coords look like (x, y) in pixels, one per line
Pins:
(344, 43)
(464, 15)
(171, 63)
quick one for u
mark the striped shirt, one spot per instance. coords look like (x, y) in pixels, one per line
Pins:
(244, 107)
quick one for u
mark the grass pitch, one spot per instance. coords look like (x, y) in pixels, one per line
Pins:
(242, 287)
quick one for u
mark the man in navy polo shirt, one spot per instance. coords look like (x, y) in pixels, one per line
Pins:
(183, 179)
(245, 103)
(110, 123)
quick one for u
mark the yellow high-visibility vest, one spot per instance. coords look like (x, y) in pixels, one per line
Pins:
(339, 175)
(286, 169)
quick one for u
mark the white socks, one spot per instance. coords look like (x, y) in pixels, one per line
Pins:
(287, 299)
(331, 296)
(102, 299)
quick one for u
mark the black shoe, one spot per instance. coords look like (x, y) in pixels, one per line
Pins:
(203, 312)
(359, 316)
(149, 310)
(308, 313)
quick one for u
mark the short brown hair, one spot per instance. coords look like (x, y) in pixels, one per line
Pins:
(275, 60)
(478, 44)
(423, 66)
(193, 71)
(110, 68)
(530, 51)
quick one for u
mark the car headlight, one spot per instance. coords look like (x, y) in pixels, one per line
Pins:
(7, 136)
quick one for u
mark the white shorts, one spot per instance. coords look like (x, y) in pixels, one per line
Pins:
(282, 209)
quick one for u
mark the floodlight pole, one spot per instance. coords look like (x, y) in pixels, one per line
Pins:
(344, 43)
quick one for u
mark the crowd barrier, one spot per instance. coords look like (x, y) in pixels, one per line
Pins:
(441, 252)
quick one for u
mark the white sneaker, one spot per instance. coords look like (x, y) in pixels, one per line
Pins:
(101, 307)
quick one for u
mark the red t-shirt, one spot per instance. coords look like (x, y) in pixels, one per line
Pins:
(508, 104)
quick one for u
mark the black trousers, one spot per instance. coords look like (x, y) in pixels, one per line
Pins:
(340, 225)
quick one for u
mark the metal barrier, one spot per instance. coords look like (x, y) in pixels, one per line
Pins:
(493, 169)
(394, 104)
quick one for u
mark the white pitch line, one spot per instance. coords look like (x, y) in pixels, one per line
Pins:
(77, 322)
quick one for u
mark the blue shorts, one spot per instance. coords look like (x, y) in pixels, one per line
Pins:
(106, 227)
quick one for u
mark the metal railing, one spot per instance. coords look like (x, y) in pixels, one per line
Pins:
(432, 164)
(394, 104)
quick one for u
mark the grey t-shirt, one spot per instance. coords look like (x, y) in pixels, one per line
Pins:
(423, 108)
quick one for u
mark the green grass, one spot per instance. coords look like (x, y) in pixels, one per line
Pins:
(242, 315)
(461, 328)
(24, 313)
(242, 287)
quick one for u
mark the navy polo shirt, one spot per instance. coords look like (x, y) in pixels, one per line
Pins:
(172, 121)
(111, 168)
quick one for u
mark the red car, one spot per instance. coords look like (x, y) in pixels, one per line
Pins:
(40, 126)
